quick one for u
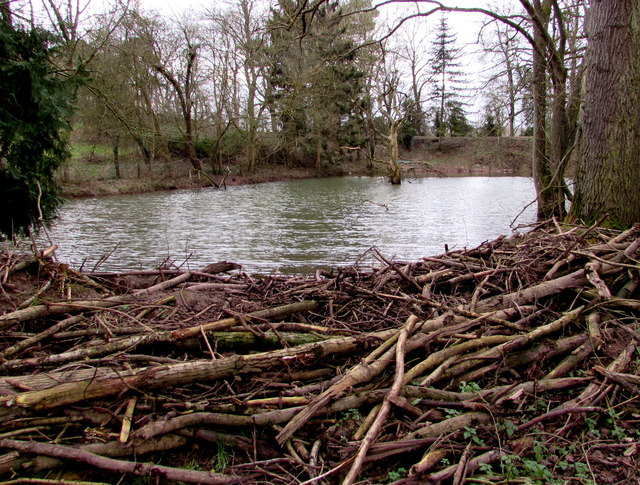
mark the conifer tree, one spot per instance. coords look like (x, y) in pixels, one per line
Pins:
(313, 78)
(34, 114)
(447, 81)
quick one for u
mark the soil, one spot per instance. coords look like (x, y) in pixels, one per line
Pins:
(427, 157)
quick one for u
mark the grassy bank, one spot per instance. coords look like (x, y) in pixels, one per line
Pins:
(92, 171)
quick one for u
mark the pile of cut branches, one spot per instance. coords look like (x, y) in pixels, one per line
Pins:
(516, 359)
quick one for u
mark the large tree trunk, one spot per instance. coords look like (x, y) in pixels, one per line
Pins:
(5, 12)
(609, 167)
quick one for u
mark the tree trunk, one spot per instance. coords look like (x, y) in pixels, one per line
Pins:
(609, 167)
(186, 104)
(116, 155)
(511, 86)
(159, 143)
(251, 153)
(318, 160)
(542, 175)
(395, 175)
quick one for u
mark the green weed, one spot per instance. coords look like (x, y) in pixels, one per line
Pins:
(469, 387)
(222, 458)
(508, 427)
(472, 434)
(450, 413)
(395, 475)
(351, 414)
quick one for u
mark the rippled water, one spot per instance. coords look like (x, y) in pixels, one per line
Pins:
(294, 226)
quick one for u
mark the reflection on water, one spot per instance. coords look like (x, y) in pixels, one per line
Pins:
(294, 226)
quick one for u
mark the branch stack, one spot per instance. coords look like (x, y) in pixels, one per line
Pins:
(517, 359)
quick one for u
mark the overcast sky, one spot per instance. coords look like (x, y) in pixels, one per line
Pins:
(466, 26)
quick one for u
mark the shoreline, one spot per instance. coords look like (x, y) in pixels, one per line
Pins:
(129, 186)
(453, 157)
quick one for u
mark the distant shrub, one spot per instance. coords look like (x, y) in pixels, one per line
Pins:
(177, 147)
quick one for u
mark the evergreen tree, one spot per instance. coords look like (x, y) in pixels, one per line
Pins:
(34, 113)
(490, 126)
(457, 122)
(313, 78)
(409, 125)
(448, 80)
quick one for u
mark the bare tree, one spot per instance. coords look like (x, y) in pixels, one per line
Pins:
(83, 35)
(182, 78)
(412, 50)
(508, 72)
(389, 100)
(244, 25)
(135, 51)
(222, 69)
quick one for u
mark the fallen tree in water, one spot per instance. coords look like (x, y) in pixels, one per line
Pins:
(515, 359)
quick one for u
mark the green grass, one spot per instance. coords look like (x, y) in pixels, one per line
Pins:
(82, 150)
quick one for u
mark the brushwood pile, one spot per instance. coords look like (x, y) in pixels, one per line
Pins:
(513, 362)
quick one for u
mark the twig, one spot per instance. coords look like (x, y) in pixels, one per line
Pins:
(386, 405)
(120, 466)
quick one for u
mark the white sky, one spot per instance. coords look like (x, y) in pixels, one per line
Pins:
(466, 25)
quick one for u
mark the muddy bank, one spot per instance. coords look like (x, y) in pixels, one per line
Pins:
(473, 155)
(184, 178)
(515, 360)
(428, 157)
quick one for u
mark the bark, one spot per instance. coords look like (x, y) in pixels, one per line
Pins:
(542, 168)
(470, 466)
(111, 449)
(395, 175)
(116, 155)
(381, 416)
(5, 12)
(450, 425)
(269, 313)
(110, 402)
(26, 343)
(552, 287)
(173, 375)
(38, 311)
(609, 170)
(437, 358)
(375, 363)
(56, 308)
(131, 342)
(593, 392)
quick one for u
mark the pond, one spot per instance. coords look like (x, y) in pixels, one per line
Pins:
(291, 227)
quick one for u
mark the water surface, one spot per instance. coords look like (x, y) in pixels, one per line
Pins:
(294, 226)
